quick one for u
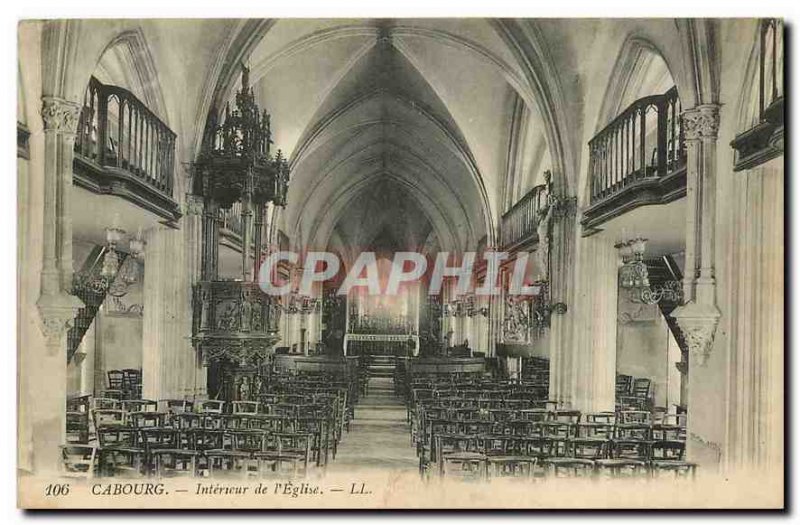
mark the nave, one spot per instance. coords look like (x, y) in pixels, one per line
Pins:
(462, 425)
(461, 248)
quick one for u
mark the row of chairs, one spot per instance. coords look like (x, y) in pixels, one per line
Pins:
(583, 447)
(167, 452)
(298, 422)
(484, 434)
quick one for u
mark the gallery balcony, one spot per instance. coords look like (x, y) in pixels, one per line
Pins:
(518, 224)
(763, 141)
(122, 148)
(638, 159)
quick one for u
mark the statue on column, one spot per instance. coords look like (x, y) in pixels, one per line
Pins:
(244, 389)
(544, 216)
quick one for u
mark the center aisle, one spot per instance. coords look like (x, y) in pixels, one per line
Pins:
(379, 435)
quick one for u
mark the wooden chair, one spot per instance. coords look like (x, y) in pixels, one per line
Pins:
(566, 416)
(132, 382)
(77, 423)
(106, 403)
(146, 419)
(639, 396)
(139, 405)
(618, 468)
(668, 456)
(631, 441)
(559, 435)
(591, 441)
(623, 385)
(672, 427)
(511, 466)
(471, 466)
(637, 417)
(115, 380)
(246, 407)
(212, 421)
(187, 421)
(118, 454)
(177, 406)
(297, 444)
(77, 431)
(154, 439)
(210, 406)
(273, 461)
(203, 439)
(227, 463)
(641, 387)
(607, 418)
(105, 417)
(170, 463)
(118, 395)
(569, 467)
(79, 461)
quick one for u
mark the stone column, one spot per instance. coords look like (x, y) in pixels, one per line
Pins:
(494, 304)
(589, 381)
(752, 335)
(57, 307)
(193, 232)
(562, 267)
(167, 316)
(699, 316)
(88, 363)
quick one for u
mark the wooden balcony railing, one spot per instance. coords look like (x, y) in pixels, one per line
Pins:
(764, 140)
(518, 224)
(644, 141)
(638, 159)
(120, 138)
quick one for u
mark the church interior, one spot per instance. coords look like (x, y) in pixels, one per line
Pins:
(638, 162)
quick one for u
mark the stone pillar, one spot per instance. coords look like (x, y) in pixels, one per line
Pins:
(57, 307)
(167, 317)
(590, 379)
(494, 304)
(193, 233)
(87, 365)
(562, 267)
(699, 316)
(752, 335)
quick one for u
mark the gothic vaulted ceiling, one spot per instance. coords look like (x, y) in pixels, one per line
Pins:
(415, 109)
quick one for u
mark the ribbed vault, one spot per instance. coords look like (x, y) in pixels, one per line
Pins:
(418, 108)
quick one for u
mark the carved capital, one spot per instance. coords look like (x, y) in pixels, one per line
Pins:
(56, 313)
(698, 325)
(701, 122)
(564, 207)
(193, 205)
(60, 115)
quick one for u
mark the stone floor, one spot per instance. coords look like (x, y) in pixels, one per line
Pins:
(379, 435)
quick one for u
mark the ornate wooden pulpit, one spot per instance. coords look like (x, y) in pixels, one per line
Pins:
(235, 323)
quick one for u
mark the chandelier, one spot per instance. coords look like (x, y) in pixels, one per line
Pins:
(118, 270)
(634, 276)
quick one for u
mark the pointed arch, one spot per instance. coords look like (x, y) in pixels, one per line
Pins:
(634, 54)
(143, 73)
(528, 45)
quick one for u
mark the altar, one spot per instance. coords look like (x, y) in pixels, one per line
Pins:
(399, 345)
